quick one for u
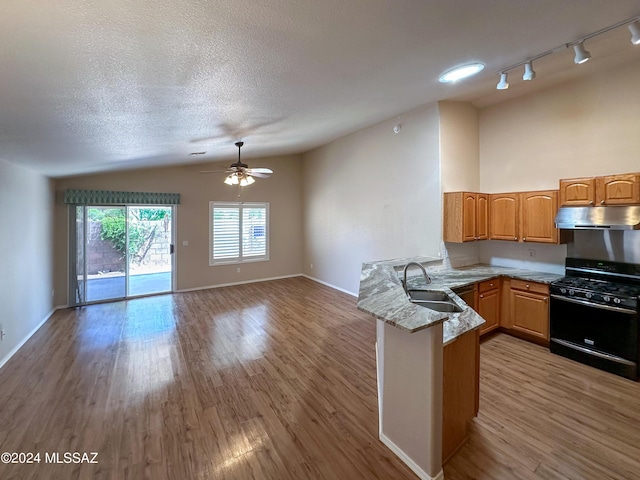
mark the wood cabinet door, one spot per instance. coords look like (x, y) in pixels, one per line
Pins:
(530, 313)
(469, 211)
(538, 211)
(577, 192)
(482, 216)
(489, 309)
(503, 216)
(618, 189)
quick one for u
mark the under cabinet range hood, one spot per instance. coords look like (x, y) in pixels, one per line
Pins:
(599, 218)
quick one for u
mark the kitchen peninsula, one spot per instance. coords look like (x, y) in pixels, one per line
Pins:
(414, 372)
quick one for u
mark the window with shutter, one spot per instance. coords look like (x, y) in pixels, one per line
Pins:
(239, 232)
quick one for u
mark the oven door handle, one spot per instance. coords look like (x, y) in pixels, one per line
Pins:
(588, 351)
(595, 305)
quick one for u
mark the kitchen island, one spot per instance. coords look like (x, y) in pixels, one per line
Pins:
(411, 360)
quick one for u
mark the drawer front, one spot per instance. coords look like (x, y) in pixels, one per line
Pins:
(489, 285)
(530, 286)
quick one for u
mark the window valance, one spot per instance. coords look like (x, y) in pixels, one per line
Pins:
(109, 197)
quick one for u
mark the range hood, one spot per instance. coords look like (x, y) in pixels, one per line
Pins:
(599, 218)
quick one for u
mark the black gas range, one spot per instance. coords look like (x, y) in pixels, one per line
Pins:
(594, 315)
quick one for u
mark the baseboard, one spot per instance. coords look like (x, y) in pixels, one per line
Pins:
(330, 285)
(408, 461)
(220, 285)
(27, 337)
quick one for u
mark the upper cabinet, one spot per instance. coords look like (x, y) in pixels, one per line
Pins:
(537, 213)
(623, 189)
(503, 212)
(618, 189)
(465, 217)
(524, 216)
(576, 192)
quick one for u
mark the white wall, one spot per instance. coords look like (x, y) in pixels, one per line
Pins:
(26, 216)
(586, 127)
(372, 195)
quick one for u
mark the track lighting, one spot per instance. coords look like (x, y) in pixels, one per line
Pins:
(634, 28)
(581, 54)
(503, 84)
(529, 74)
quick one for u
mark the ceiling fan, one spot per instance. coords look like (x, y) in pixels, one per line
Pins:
(240, 173)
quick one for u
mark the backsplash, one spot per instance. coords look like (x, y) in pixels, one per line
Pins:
(529, 256)
(612, 245)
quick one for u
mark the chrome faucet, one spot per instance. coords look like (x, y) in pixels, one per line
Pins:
(427, 279)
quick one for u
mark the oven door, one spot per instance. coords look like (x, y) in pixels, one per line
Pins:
(602, 336)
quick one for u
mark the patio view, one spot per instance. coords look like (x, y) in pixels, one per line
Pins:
(123, 251)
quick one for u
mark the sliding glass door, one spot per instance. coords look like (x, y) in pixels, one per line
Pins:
(119, 252)
(150, 244)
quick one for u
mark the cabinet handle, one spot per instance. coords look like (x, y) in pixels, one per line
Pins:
(591, 202)
(602, 202)
(515, 238)
(481, 296)
(545, 299)
(524, 239)
(527, 285)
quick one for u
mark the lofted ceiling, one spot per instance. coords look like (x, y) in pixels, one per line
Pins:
(89, 86)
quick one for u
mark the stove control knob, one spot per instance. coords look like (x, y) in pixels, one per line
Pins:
(588, 295)
(616, 300)
(606, 298)
(571, 292)
(563, 290)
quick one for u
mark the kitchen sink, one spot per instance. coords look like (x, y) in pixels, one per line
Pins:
(448, 307)
(427, 295)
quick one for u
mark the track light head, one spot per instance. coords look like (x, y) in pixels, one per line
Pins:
(581, 54)
(503, 84)
(634, 28)
(529, 74)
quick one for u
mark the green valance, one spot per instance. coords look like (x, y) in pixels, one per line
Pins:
(108, 197)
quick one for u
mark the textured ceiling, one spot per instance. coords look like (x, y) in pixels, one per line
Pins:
(88, 86)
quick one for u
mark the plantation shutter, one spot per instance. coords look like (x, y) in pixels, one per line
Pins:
(226, 233)
(239, 232)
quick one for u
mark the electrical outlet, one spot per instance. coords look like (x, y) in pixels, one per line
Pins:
(238, 270)
(52, 293)
(532, 253)
(311, 266)
(2, 334)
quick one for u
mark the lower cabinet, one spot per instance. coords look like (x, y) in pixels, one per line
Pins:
(489, 304)
(460, 391)
(529, 309)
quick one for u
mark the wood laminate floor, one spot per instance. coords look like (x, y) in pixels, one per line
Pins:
(546, 417)
(276, 380)
(272, 380)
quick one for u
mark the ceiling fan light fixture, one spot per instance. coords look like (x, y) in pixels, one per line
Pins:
(246, 180)
(458, 73)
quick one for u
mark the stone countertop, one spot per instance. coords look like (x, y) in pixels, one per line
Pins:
(382, 295)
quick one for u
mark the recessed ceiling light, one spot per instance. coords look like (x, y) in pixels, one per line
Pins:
(459, 73)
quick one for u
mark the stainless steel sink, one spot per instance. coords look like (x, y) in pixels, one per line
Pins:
(448, 307)
(427, 295)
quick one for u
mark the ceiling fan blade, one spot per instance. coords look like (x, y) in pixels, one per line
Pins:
(228, 170)
(258, 174)
(259, 170)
